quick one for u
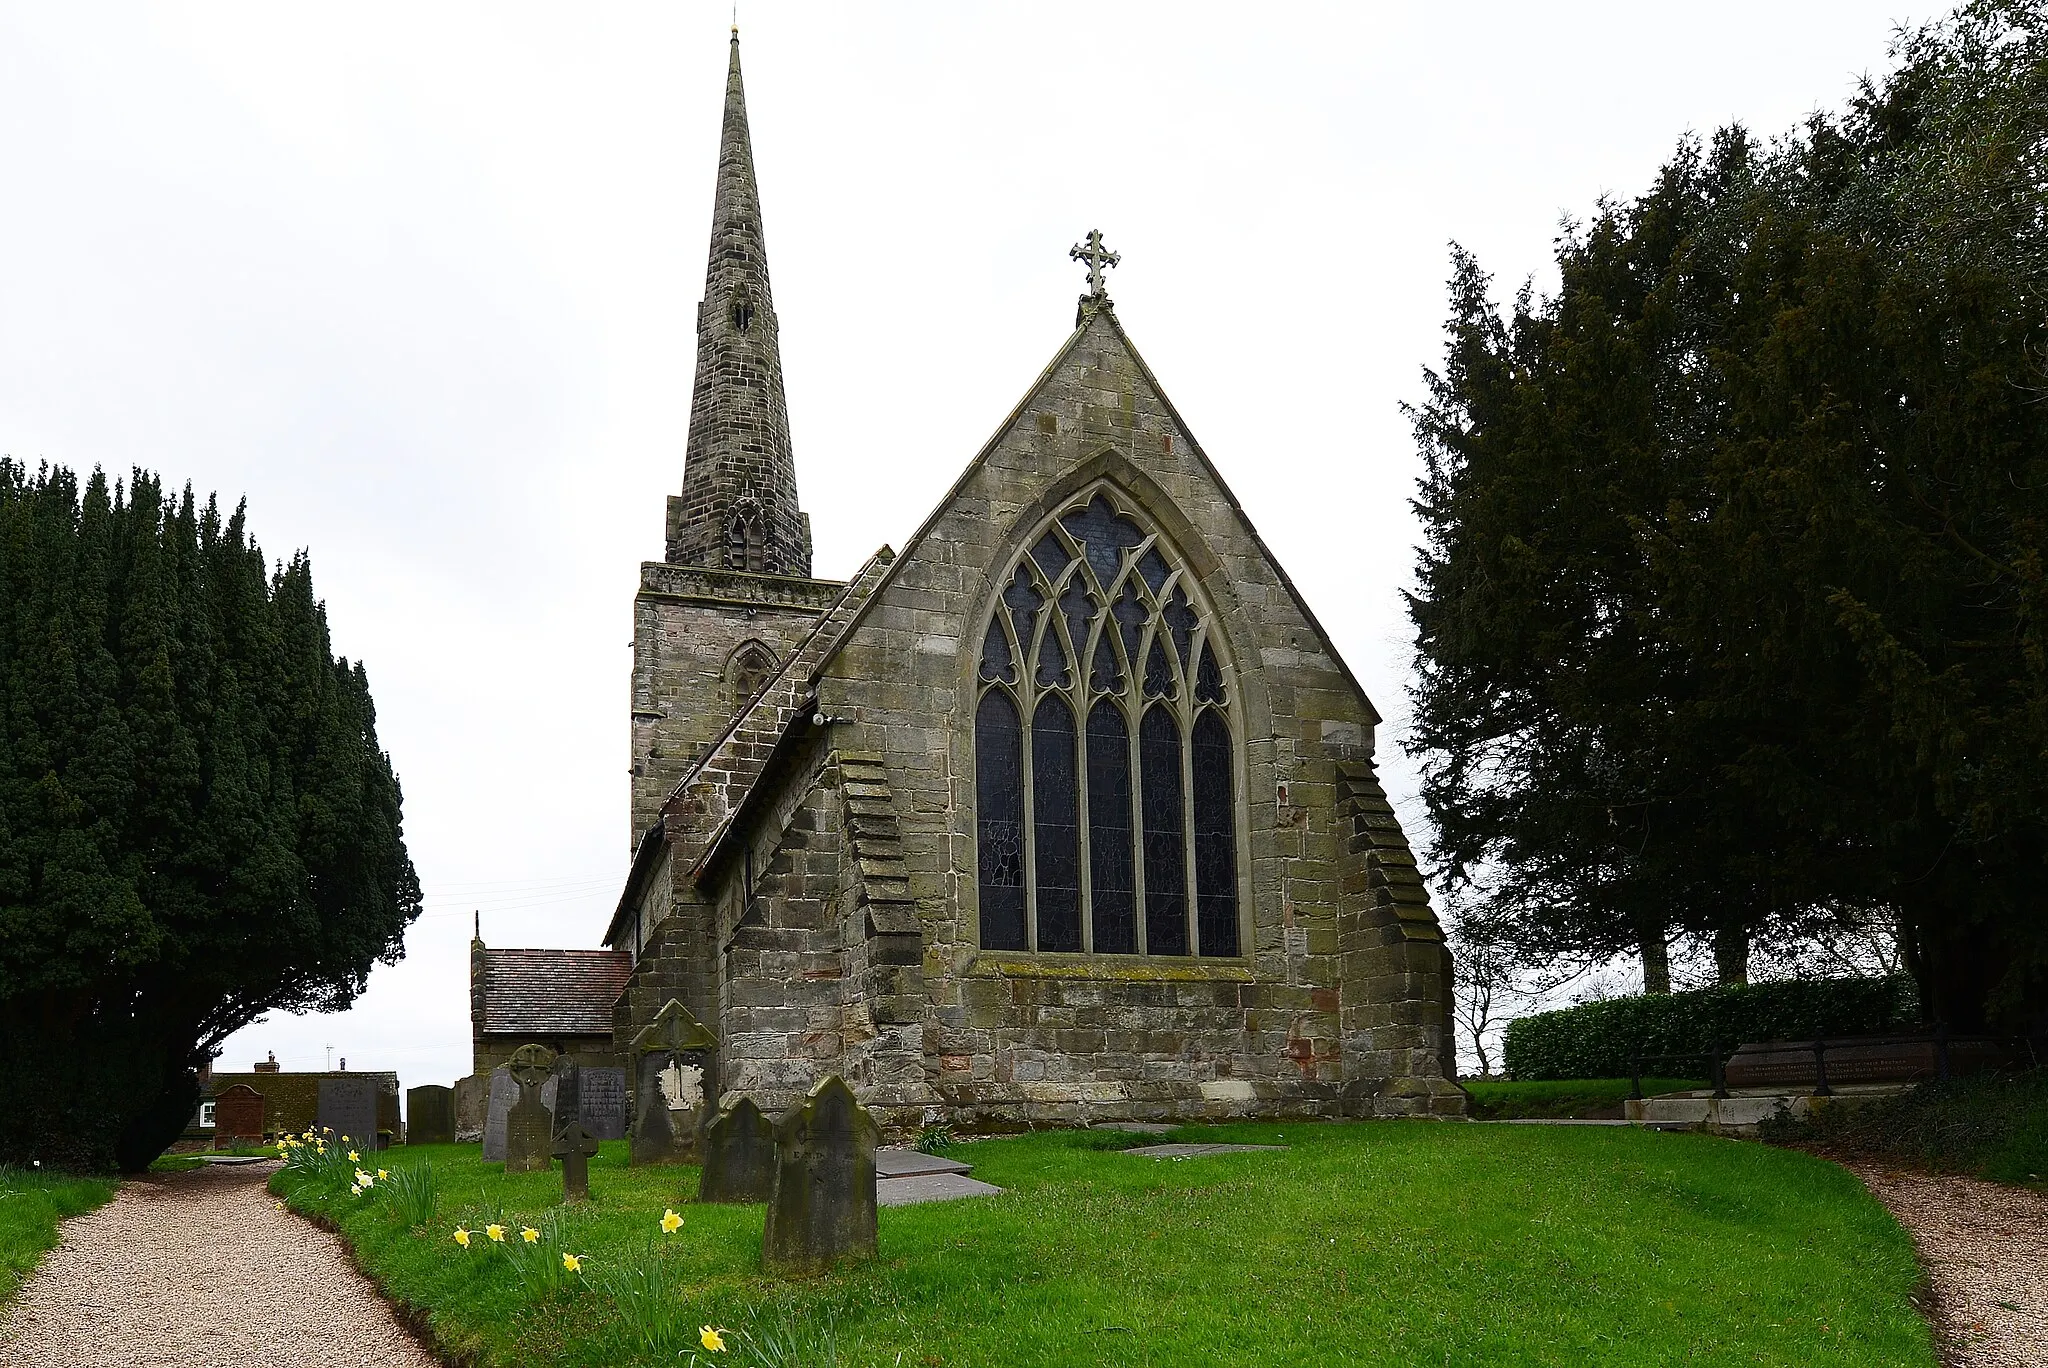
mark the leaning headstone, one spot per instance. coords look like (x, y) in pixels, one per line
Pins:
(673, 1056)
(529, 1130)
(504, 1092)
(430, 1115)
(348, 1106)
(822, 1205)
(237, 1115)
(601, 1101)
(575, 1147)
(739, 1155)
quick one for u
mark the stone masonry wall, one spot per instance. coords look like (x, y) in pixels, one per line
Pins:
(691, 629)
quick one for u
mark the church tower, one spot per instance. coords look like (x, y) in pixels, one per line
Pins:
(733, 593)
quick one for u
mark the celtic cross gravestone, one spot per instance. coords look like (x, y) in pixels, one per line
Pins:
(529, 1132)
(673, 1062)
(575, 1147)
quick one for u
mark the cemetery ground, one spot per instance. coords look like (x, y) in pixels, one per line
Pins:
(1392, 1243)
(32, 1203)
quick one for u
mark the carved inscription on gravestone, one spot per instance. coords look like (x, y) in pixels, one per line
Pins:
(348, 1106)
(529, 1130)
(237, 1115)
(739, 1155)
(601, 1102)
(504, 1092)
(822, 1206)
(430, 1115)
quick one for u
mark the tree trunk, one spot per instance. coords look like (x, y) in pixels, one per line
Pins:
(1731, 956)
(1656, 962)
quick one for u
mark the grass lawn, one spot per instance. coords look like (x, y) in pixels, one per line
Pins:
(31, 1205)
(1570, 1097)
(1384, 1243)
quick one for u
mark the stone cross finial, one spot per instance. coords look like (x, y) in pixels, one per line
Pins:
(1097, 256)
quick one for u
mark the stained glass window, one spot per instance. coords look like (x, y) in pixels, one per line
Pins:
(999, 820)
(995, 655)
(1209, 760)
(1111, 888)
(1166, 880)
(1056, 818)
(1114, 832)
(1208, 679)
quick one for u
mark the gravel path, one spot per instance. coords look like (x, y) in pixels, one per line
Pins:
(1985, 1247)
(200, 1270)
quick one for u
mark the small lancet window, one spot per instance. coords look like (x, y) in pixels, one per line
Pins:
(742, 313)
(1107, 813)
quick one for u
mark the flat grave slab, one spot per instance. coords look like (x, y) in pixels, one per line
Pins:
(903, 1163)
(1195, 1151)
(1138, 1127)
(930, 1187)
(237, 1160)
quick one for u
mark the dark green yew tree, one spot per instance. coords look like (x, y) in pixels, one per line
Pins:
(1731, 614)
(196, 823)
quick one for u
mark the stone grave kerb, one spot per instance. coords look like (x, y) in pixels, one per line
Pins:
(529, 1129)
(739, 1155)
(822, 1205)
(673, 1042)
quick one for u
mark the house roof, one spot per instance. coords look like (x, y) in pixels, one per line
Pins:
(552, 992)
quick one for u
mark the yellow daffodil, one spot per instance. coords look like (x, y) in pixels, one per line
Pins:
(711, 1339)
(529, 1234)
(462, 1237)
(670, 1222)
(344, 1139)
(496, 1232)
(382, 1175)
(353, 1157)
(355, 1190)
(573, 1262)
(319, 1149)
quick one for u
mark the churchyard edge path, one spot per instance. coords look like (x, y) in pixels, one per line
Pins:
(201, 1270)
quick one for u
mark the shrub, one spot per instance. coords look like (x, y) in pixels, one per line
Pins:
(1602, 1039)
(1994, 1125)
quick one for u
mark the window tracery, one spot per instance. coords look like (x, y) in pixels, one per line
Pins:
(1105, 768)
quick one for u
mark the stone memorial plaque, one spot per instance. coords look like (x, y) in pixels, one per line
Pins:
(430, 1115)
(821, 1208)
(504, 1092)
(739, 1155)
(237, 1115)
(601, 1102)
(348, 1106)
(529, 1129)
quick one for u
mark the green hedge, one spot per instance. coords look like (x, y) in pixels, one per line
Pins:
(1601, 1039)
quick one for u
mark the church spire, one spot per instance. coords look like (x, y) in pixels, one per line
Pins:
(738, 509)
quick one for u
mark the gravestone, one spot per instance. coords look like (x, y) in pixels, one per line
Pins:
(430, 1115)
(237, 1115)
(739, 1155)
(575, 1147)
(821, 1208)
(472, 1106)
(673, 1055)
(504, 1092)
(529, 1130)
(601, 1102)
(562, 1094)
(348, 1106)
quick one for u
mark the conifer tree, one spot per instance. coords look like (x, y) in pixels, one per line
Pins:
(1731, 616)
(197, 825)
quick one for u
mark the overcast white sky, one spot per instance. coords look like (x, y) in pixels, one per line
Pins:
(419, 281)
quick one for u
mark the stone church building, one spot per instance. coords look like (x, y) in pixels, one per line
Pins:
(1063, 813)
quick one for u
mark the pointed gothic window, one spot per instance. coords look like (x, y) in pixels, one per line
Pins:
(1105, 764)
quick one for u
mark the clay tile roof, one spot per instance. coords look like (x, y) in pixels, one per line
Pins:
(553, 992)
